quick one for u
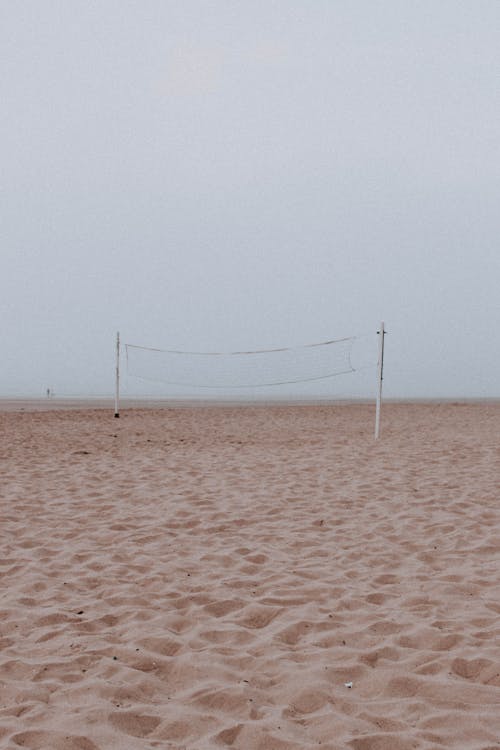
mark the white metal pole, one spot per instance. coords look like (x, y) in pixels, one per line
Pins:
(380, 377)
(117, 380)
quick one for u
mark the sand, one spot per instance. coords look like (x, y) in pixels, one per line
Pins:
(254, 578)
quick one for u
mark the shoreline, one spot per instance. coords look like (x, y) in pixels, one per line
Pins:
(69, 403)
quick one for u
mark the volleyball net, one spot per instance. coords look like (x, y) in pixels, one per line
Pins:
(236, 371)
(241, 369)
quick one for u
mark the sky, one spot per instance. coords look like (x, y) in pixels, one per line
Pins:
(235, 174)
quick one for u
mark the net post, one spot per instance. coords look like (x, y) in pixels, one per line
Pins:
(380, 377)
(117, 377)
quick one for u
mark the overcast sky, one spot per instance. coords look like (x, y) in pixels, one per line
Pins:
(241, 174)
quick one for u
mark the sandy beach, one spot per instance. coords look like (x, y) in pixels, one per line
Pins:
(260, 578)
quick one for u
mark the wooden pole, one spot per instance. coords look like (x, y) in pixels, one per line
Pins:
(380, 377)
(117, 378)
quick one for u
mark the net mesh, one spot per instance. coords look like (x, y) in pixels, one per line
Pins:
(241, 369)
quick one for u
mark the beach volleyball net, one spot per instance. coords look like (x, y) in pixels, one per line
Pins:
(241, 369)
(232, 371)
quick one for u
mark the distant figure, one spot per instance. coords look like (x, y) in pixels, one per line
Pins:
(48, 392)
